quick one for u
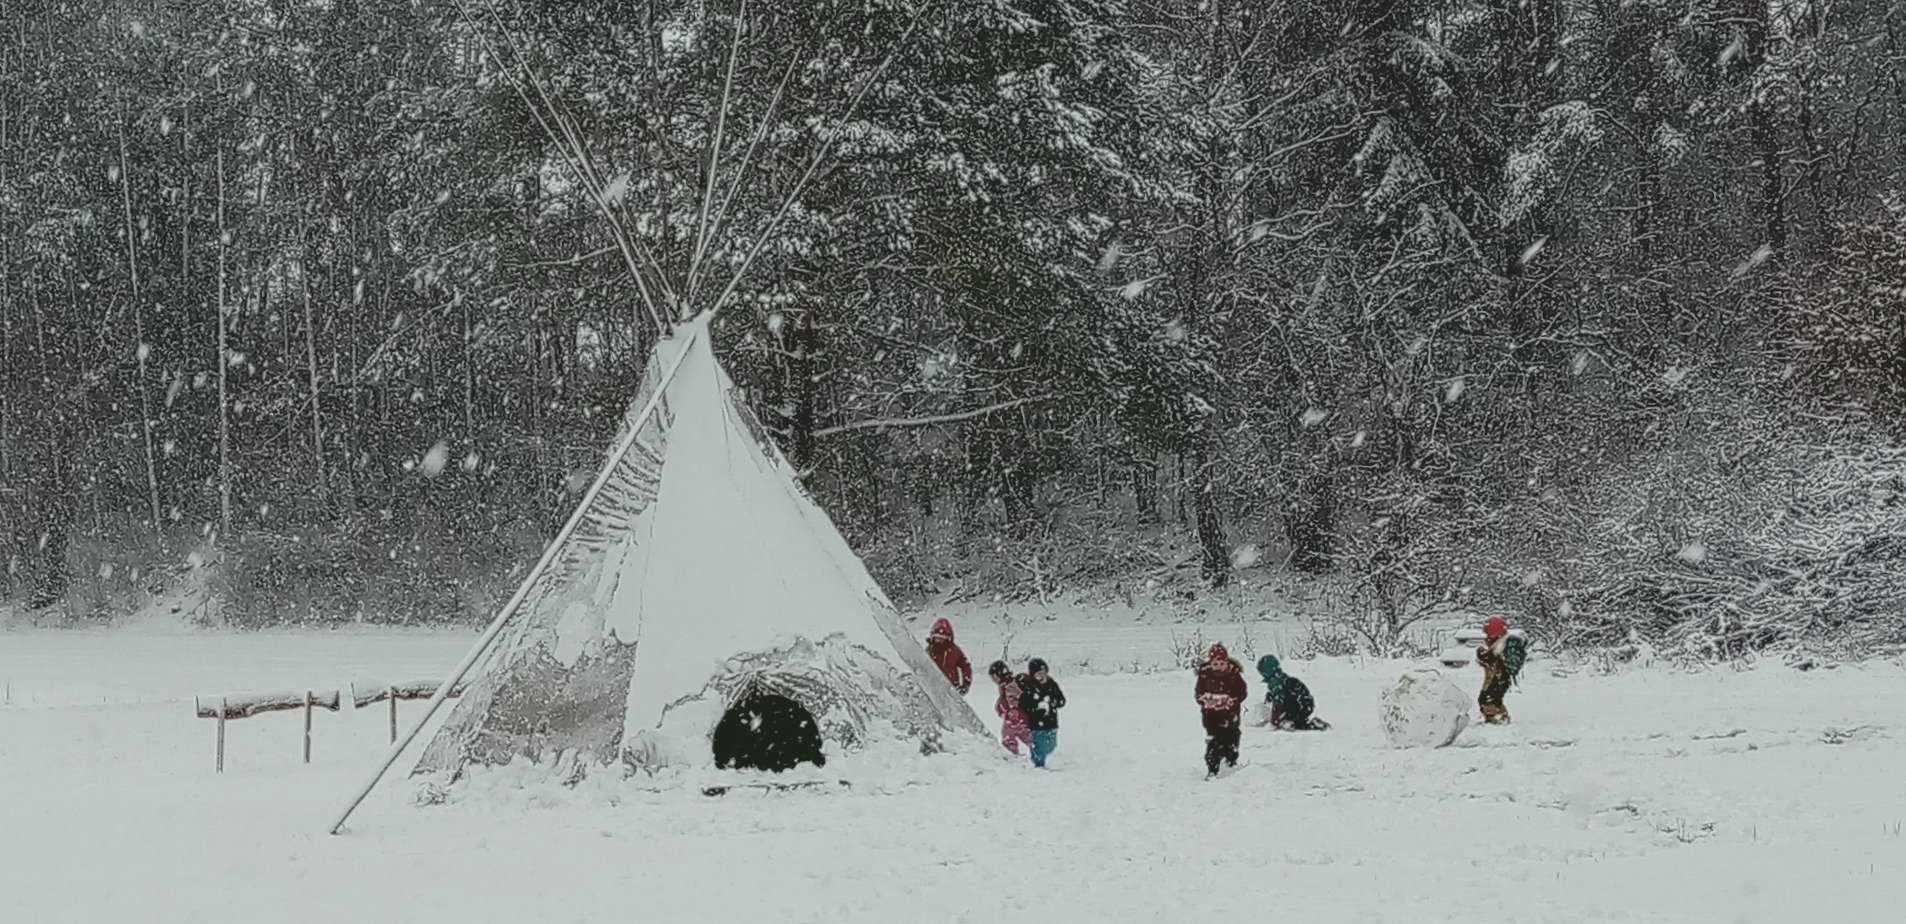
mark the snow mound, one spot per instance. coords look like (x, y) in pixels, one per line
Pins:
(1424, 710)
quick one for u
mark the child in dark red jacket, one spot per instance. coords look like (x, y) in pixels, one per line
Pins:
(1220, 693)
(1013, 730)
(948, 656)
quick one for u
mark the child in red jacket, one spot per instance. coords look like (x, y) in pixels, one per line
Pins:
(948, 657)
(1013, 730)
(1220, 693)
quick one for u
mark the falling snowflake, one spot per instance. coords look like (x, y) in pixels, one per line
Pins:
(1534, 250)
(436, 459)
(1754, 260)
(471, 461)
(1693, 553)
(137, 28)
(1453, 392)
(1674, 375)
(1114, 252)
(143, 353)
(1245, 556)
(1175, 331)
(1356, 442)
(616, 190)
(577, 481)
(1132, 290)
(1734, 49)
(195, 561)
(776, 322)
(1580, 363)
(1313, 417)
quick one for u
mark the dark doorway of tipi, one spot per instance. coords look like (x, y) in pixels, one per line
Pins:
(765, 731)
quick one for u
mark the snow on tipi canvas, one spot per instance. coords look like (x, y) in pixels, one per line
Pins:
(695, 573)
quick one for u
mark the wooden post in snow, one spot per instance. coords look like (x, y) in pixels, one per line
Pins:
(246, 705)
(393, 715)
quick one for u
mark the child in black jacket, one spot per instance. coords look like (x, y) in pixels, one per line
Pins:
(1041, 699)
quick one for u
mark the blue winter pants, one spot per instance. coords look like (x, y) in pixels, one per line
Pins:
(1044, 742)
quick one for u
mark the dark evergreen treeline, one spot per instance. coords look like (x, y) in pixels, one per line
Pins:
(1592, 307)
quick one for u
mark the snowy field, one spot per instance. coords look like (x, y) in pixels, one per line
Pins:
(1758, 795)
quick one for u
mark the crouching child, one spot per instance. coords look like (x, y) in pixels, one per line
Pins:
(1287, 701)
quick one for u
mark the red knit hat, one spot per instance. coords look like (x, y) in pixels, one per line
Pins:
(1219, 655)
(1495, 627)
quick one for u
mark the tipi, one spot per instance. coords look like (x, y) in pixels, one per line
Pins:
(695, 573)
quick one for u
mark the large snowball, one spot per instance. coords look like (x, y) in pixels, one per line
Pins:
(1424, 710)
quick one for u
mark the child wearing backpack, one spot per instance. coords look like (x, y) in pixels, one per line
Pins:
(1501, 657)
(1013, 730)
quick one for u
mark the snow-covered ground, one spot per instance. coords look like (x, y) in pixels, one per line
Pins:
(1652, 795)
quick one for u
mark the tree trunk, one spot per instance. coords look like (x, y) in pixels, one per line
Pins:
(1766, 135)
(142, 349)
(469, 378)
(185, 201)
(1216, 563)
(1311, 526)
(53, 510)
(7, 385)
(1145, 487)
(311, 369)
(224, 364)
(805, 370)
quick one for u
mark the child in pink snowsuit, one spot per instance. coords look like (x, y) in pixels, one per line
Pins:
(1012, 719)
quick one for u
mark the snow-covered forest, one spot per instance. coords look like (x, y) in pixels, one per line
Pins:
(1593, 311)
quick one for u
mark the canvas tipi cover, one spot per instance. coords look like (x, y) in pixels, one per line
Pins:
(699, 573)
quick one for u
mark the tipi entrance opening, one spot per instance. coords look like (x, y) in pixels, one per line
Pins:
(767, 731)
